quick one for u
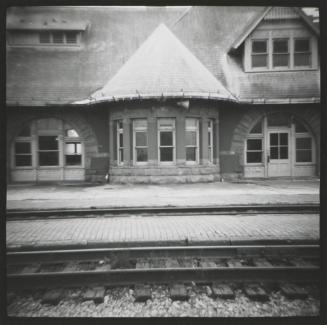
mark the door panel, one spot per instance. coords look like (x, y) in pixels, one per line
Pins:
(279, 154)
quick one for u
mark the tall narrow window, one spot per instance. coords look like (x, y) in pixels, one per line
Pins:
(254, 145)
(48, 150)
(120, 142)
(280, 53)
(166, 140)
(303, 144)
(23, 154)
(210, 141)
(192, 139)
(259, 53)
(302, 53)
(73, 148)
(58, 37)
(140, 140)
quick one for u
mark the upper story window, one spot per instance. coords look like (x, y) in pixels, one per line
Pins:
(273, 53)
(58, 37)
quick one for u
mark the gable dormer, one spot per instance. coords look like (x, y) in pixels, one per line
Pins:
(280, 39)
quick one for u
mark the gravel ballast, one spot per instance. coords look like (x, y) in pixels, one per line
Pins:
(120, 302)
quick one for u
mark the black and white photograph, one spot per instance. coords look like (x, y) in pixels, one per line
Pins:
(163, 161)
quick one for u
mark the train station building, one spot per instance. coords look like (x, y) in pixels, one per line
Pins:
(160, 95)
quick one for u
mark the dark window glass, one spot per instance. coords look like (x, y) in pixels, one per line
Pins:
(48, 143)
(120, 124)
(283, 152)
(141, 154)
(71, 37)
(72, 160)
(58, 37)
(283, 139)
(259, 60)
(25, 132)
(257, 129)
(44, 37)
(121, 138)
(23, 160)
(280, 60)
(254, 157)
(166, 154)
(254, 144)
(48, 158)
(273, 139)
(302, 59)
(209, 139)
(22, 147)
(273, 152)
(190, 138)
(299, 128)
(259, 46)
(303, 143)
(166, 138)
(303, 156)
(191, 154)
(278, 119)
(121, 155)
(302, 45)
(280, 46)
(141, 139)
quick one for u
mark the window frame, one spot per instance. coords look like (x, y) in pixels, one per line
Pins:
(255, 136)
(306, 134)
(135, 147)
(288, 53)
(292, 38)
(171, 129)
(210, 136)
(197, 138)
(119, 131)
(257, 54)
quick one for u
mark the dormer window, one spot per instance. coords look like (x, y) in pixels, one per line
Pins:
(278, 54)
(58, 37)
(281, 55)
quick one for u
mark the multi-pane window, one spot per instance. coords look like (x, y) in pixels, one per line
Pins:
(59, 37)
(210, 141)
(140, 140)
(73, 148)
(302, 53)
(281, 55)
(303, 144)
(51, 142)
(120, 142)
(259, 53)
(166, 140)
(254, 145)
(192, 139)
(278, 145)
(48, 149)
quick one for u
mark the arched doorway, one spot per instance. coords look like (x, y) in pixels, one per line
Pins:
(47, 149)
(279, 145)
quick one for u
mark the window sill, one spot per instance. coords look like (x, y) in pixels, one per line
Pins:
(280, 70)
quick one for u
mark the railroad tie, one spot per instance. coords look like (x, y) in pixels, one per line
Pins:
(207, 264)
(234, 263)
(178, 292)
(52, 297)
(142, 293)
(293, 291)
(32, 268)
(222, 291)
(171, 263)
(96, 294)
(255, 292)
(261, 262)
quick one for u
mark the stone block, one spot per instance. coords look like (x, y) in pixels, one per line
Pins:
(293, 291)
(96, 294)
(142, 293)
(222, 291)
(52, 297)
(255, 292)
(178, 292)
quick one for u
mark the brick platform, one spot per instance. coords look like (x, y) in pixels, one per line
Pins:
(163, 230)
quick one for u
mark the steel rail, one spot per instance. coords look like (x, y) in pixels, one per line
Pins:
(309, 274)
(162, 251)
(230, 209)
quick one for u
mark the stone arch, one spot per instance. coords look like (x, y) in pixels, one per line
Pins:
(307, 116)
(76, 120)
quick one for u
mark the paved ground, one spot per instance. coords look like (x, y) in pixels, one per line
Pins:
(150, 230)
(203, 194)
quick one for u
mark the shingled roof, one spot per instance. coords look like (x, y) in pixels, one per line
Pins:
(162, 66)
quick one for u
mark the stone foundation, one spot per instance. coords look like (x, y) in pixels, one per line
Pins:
(162, 175)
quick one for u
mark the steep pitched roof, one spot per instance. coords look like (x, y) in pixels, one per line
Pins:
(162, 66)
(289, 12)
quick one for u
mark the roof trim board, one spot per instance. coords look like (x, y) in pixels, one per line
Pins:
(259, 18)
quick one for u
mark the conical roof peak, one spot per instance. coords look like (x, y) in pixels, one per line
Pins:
(162, 66)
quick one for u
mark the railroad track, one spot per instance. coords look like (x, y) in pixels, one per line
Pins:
(216, 265)
(230, 209)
